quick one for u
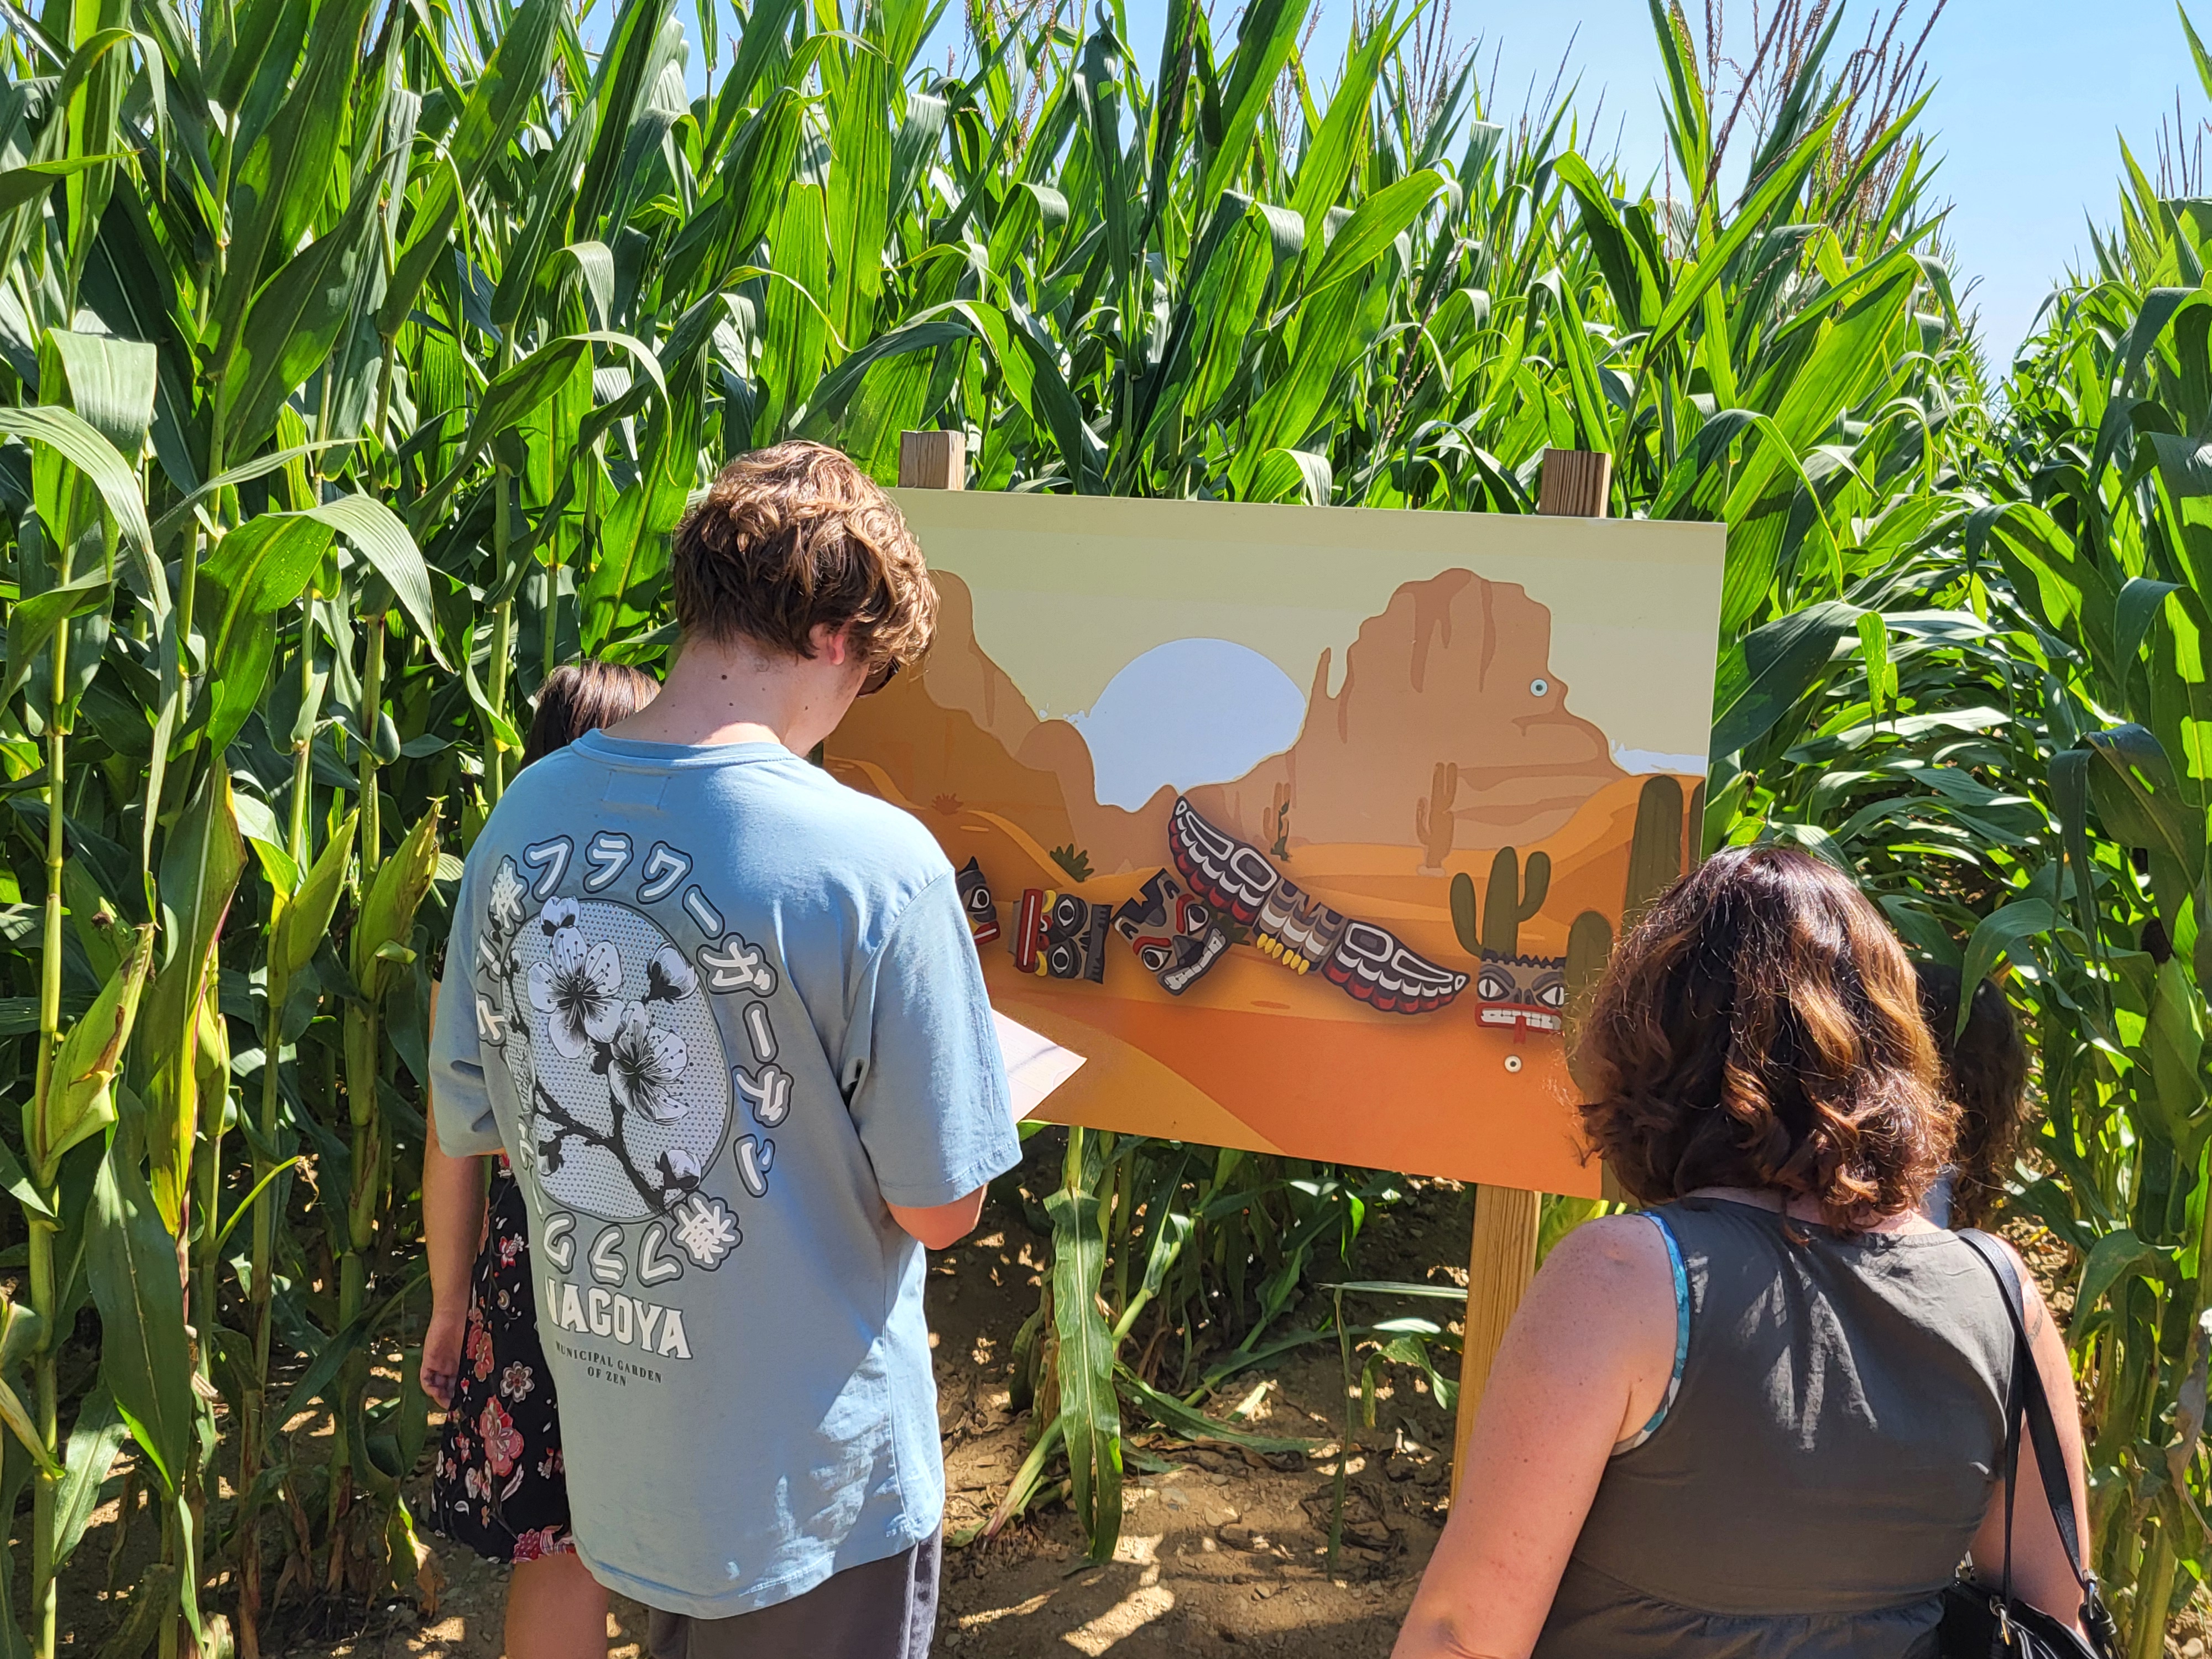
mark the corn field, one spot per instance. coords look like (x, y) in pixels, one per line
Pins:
(356, 360)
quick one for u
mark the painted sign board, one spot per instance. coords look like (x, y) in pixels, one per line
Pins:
(1298, 824)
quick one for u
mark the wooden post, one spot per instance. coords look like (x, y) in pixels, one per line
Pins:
(1575, 483)
(1503, 1258)
(933, 460)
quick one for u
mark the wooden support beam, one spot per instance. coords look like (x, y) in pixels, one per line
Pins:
(1502, 1259)
(933, 460)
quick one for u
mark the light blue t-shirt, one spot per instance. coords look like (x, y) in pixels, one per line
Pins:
(718, 1009)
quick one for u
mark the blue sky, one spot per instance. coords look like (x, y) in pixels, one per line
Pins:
(2031, 99)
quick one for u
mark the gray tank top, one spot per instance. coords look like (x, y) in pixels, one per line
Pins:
(1825, 1455)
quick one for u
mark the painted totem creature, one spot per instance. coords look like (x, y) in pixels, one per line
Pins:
(1529, 994)
(1366, 962)
(1060, 936)
(1297, 930)
(976, 899)
(1173, 932)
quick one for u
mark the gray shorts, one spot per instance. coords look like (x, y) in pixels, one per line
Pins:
(884, 1609)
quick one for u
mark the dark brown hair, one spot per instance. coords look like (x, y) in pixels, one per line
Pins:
(1984, 1073)
(793, 538)
(1760, 1027)
(582, 697)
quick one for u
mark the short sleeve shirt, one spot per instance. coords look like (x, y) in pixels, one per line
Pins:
(719, 1010)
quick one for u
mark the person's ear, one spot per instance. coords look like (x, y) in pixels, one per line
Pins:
(830, 645)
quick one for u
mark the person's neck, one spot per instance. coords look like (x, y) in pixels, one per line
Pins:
(718, 694)
(1798, 1208)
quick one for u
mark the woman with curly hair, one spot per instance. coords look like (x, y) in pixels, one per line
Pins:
(1766, 1416)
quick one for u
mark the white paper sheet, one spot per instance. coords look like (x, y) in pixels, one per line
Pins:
(1036, 1065)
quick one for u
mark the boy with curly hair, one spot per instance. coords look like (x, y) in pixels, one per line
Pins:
(725, 1016)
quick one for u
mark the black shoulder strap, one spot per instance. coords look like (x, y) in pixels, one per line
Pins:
(2034, 1404)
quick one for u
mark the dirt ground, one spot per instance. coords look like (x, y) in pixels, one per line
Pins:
(1219, 1550)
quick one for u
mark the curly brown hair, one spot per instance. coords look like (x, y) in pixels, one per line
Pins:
(1760, 1027)
(795, 537)
(1984, 1073)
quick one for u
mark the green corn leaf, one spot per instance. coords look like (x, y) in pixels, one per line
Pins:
(1635, 287)
(1374, 225)
(2118, 1256)
(94, 1440)
(1292, 475)
(21, 185)
(13, 1176)
(1268, 34)
(284, 173)
(79, 443)
(860, 192)
(827, 407)
(110, 384)
(517, 393)
(1327, 164)
(1767, 194)
(201, 864)
(292, 323)
(1874, 652)
(1999, 934)
(33, 621)
(2142, 802)
(257, 571)
(552, 206)
(380, 536)
(1091, 1414)
(1187, 1423)
(2141, 600)
(2174, 1040)
(173, 524)
(1763, 675)
(132, 1261)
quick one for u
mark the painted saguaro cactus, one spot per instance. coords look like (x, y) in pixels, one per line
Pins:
(1589, 945)
(1432, 819)
(1509, 903)
(1655, 857)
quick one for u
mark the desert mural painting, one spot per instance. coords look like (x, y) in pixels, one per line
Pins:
(1303, 825)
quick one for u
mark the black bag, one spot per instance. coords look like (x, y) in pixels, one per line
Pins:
(1983, 1623)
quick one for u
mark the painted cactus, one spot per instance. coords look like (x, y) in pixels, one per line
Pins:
(1655, 857)
(1589, 945)
(1432, 819)
(1509, 903)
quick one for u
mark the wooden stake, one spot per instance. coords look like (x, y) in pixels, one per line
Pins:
(1502, 1259)
(933, 460)
(1575, 483)
(1498, 1269)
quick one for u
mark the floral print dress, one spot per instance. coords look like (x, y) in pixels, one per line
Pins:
(500, 1486)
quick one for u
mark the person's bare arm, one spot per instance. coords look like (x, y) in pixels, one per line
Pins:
(1583, 1364)
(453, 1222)
(940, 1226)
(2040, 1575)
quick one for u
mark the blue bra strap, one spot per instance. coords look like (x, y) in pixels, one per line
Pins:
(1681, 1339)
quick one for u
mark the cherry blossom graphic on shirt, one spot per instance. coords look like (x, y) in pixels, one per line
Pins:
(616, 1053)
